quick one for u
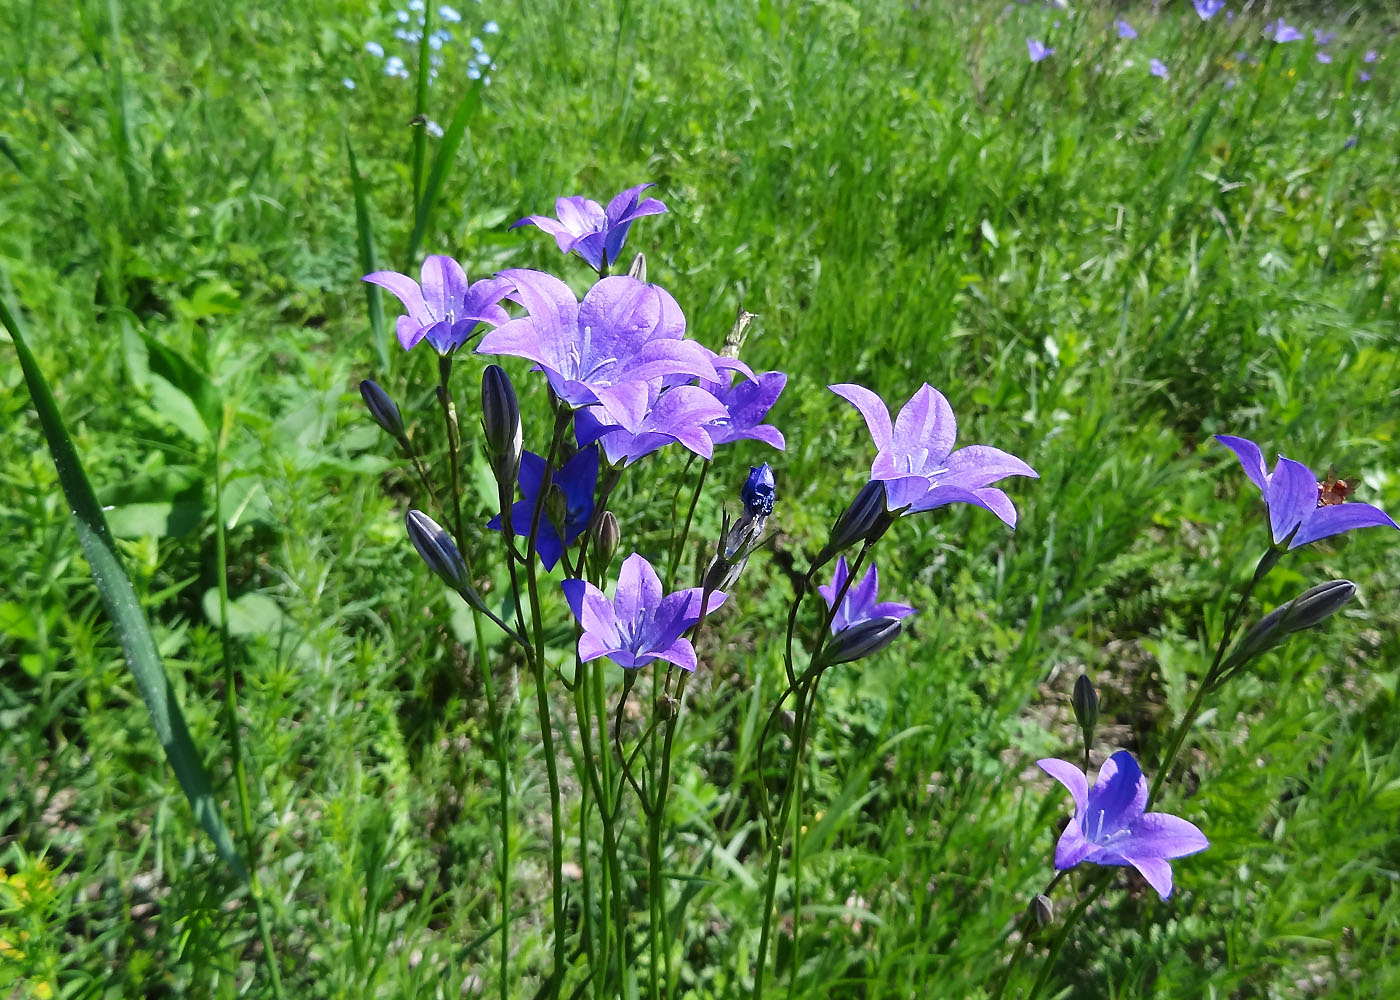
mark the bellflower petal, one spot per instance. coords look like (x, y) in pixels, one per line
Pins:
(860, 603)
(1068, 775)
(872, 408)
(1323, 522)
(445, 308)
(1292, 493)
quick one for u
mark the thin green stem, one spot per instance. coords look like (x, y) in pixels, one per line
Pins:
(678, 549)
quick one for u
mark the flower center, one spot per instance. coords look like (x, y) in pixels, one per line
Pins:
(1100, 837)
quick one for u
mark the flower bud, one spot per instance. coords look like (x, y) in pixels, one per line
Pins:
(738, 333)
(438, 550)
(383, 409)
(1041, 911)
(1310, 608)
(857, 522)
(638, 269)
(1086, 706)
(860, 640)
(606, 537)
(556, 507)
(500, 420)
(759, 491)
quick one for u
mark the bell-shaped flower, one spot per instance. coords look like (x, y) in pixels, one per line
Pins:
(1110, 824)
(445, 309)
(639, 624)
(746, 403)
(675, 416)
(593, 232)
(916, 460)
(1300, 509)
(602, 350)
(576, 480)
(860, 602)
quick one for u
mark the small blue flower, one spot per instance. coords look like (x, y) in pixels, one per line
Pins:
(432, 128)
(477, 44)
(1158, 68)
(491, 28)
(1206, 9)
(394, 66)
(375, 49)
(473, 72)
(1125, 30)
(348, 83)
(449, 15)
(1038, 50)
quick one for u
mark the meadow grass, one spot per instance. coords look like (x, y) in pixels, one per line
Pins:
(1100, 269)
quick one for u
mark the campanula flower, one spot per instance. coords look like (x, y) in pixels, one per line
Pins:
(577, 480)
(1038, 50)
(1206, 9)
(860, 601)
(445, 309)
(915, 456)
(1110, 824)
(605, 349)
(1157, 68)
(593, 232)
(675, 416)
(1125, 30)
(1300, 509)
(639, 624)
(746, 403)
(1323, 37)
(1280, 31)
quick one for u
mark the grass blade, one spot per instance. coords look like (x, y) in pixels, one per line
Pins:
(374, 297)
(119, 599)
(447, 151)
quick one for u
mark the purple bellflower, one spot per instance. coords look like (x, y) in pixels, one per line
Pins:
(445, 309)
(577, 479)
(604, 349)
(746, 404)
(1157, 68)
(1112, 827)
(673, 416)
(1125, 30)
(1281, 31)
(638, 625)
(1206, 9)
(593, 232)
(916, 461)
(1038, 50)
(859, 604)
(1301, 510)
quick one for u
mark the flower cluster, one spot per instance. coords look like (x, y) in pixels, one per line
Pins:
(411, 23)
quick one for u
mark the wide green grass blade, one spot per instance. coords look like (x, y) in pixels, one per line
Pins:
(118, 597)
(447, 151)
(374, 296)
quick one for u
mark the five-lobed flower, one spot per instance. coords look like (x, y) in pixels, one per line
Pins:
(444, 308)
(1112, 827)
(595, 233)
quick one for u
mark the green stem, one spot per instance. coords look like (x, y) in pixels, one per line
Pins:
(678, 549)
(1101, 881)
(240, 773)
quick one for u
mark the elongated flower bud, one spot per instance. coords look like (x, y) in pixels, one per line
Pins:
(862, 639)
(857, 522)
(1308, 609)
(438, 550)
(383, 409)
(1042, 911)
(759, 491)
(500, 420)
(1086, 706)
(606, 538)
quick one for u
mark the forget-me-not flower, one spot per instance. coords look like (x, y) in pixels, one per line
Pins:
(916, 460)
(593, 232)
(639, 624)
(1112, 827)
(1300, 511)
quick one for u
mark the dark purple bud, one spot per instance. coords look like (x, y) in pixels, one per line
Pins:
(500, 420)
(638, 269)
(606, 537)
(759, 492)
(556, 506)
(860, 519)
(438, 550)
(1086, 706)
(1042, 911)
(865, 638)
(383, 409)
(1308, 609)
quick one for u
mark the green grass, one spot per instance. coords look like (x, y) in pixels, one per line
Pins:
(1100, 270)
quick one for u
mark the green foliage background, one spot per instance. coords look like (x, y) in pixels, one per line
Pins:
(1100, 270)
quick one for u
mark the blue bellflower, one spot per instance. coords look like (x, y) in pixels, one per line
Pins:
(445, 309)
(1125, 30)
(593, 232)
(1206, 9)
(915, 456)
(1300, 510)
(672, 416)
(860, 602)
(1038, 50)
(639, 624)
(1112, 827)
(602, 350)
(577, 479)
(746, 403)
